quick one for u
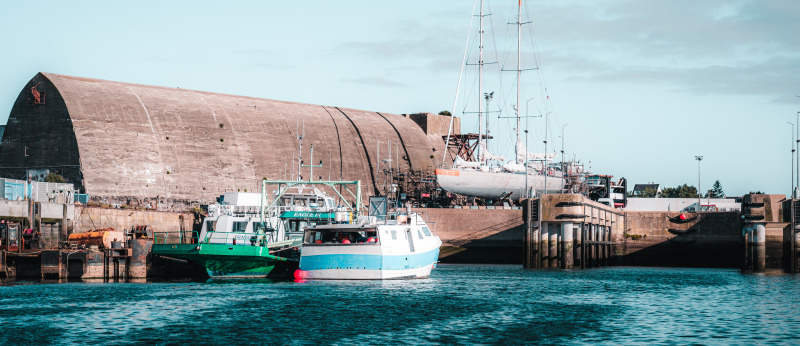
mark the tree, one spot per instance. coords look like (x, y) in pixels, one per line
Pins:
(680, 191)
(447, 113)
(54, 178)
(716, 191)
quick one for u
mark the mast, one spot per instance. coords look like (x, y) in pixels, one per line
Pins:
(480, 87)
(519, 76)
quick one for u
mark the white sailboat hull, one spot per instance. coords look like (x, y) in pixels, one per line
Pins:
(494, 185)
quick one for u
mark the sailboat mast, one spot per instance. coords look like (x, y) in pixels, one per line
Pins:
(480, 87)
(519, 72)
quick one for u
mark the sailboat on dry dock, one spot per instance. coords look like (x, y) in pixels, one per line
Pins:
(490, 176)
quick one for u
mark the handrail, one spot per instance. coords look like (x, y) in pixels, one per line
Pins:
(180, 235)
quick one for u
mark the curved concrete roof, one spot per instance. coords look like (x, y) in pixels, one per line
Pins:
(120, 139)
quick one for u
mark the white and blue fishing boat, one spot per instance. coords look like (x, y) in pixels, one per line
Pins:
(399, 246)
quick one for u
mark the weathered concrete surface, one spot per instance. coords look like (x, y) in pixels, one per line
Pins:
(477, 235)
(88, 218)
(712, 239)
(120, 142)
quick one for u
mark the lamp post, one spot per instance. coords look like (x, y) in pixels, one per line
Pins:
(698, 158)
(546, 163)
(527, 192)
(563, 170)
(793, 150)
(797, 155)
(488, 97)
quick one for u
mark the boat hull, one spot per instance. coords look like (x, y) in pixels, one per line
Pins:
(489, 185)
(231, 261)
(356, 265)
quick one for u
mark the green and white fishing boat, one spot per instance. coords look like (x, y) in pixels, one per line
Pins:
(243, 238)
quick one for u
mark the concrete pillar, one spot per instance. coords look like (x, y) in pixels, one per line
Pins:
(559, 245)
(760, 242)
(578, 245)
(567, 241)
(796, 247)
(590, 246)
(605, 245)
(544, 245)
(553, 231)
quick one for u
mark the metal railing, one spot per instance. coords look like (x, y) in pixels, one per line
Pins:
(175, 237)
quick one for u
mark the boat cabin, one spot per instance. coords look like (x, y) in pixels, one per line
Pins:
(341, 236)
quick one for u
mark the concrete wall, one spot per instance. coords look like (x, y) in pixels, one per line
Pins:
(88, 218)
(712, 239)
(477, 235)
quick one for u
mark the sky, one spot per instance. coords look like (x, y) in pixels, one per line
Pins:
(638, 88)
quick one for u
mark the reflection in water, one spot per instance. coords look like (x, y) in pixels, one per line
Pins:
(458, 304)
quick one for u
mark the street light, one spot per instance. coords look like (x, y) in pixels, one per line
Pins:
(527, 192)
(795, 193)
(563, 170)
(793, 150)
(698, 158)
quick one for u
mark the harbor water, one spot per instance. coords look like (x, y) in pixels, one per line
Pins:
(462, 304)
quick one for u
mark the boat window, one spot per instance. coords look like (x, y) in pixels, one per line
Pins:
(239, 226)
(426, 231)
(420, 234)
(211, 226)
(394, 235)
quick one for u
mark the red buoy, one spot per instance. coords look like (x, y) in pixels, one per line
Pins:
(345, 241)
(683, 216)
(299, 274)
(372, 240)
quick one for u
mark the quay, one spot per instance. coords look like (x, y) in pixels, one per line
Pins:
(560, 231)
(569, 231)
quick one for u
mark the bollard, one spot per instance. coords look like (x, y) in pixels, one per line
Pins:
(567, 243)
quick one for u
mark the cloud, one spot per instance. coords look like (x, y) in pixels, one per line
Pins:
(712, 47)
(375, 81)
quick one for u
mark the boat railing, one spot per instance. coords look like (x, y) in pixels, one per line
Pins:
(175, 237)
(240, 238)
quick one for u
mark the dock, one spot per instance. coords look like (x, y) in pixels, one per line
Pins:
(569, 231)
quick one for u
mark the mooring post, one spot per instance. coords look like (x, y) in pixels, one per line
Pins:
(747, 234)
(578, 245)
(553, 251)
(544, 244)
(566, 237)
(760, 237)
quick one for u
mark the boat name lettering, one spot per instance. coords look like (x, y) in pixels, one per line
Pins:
(450, 172)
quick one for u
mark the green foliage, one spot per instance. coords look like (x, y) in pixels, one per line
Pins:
(649, 193)
(54, 178)
(447, 113)
(716, 191)
(680, 191)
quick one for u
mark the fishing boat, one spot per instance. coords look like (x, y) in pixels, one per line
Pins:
(491, 176)
(234, 242)
(246, 235)
(377, 247)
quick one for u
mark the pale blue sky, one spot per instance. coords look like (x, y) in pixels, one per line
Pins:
(644, 85)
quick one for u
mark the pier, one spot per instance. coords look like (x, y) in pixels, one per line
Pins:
(569, 231)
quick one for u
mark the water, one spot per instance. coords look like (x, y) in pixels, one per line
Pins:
(459, 304)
